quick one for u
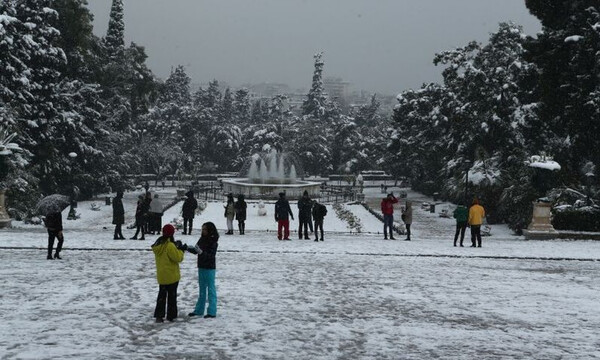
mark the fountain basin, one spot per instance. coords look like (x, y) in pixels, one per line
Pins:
(252, 190)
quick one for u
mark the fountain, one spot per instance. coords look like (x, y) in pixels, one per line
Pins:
(266, 175)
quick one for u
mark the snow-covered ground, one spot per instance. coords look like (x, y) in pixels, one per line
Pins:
(353, 296)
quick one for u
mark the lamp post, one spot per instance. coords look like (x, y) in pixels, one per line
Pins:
(590, 180)
(72, 215)
(467, 164)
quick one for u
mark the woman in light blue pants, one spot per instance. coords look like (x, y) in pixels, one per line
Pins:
(206, 249)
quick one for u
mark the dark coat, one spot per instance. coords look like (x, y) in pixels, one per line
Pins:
(283, 210)
(118, 211)
(139, 212)
(54, 222)
(189, 207)
(240, 210)
(319, 211)
(208, 245)
(304, 208)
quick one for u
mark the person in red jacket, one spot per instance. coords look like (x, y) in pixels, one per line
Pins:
(387, 208)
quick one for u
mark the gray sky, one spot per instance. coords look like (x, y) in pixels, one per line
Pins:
(384, 46)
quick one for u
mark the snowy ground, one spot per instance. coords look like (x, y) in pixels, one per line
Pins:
(354, 296)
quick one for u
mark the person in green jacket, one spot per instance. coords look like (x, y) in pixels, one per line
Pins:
(167, 254)
(461, 214)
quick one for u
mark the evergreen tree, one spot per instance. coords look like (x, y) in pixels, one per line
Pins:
(316, 101)
(566, 52)
(115, 35)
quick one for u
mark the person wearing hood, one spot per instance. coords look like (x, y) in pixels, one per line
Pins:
(476, 215)
(156, 213)
(240, 213)
(387, 208)
(282, 214)
(304, 214)
(118, 215)
(461, 214)
(206, 249)
(407, 218)
(188, 211)
(167, 254)
(229, 213)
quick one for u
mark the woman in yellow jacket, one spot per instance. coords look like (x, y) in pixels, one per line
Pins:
(476, 215)
(168, 256)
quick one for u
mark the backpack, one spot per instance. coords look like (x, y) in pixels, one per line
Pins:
(323, 210)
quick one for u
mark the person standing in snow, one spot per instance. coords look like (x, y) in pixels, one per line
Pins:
(387, 208)
(118, 215)
(155, 215)
(139, 218)
(167, 255)
(461, 214)
(206, 249)
(282, 214)
(304, 214)
(318, 213)
(476, 215)
(229, 213)
(54, 226)
(407, 218)
(240, 213)
(188, 211)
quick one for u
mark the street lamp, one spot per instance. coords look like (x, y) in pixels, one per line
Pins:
(467, 164)
(72, 215)
(590, 180)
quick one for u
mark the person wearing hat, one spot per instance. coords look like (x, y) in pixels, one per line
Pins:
(188, 211)
(167, 254)
(387, 208)
(282, 214)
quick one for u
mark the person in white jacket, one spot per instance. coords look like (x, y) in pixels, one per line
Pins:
(156, 213)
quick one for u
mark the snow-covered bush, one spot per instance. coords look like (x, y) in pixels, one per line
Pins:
(585, 218)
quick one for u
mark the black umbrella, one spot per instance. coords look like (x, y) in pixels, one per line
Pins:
(52, 204)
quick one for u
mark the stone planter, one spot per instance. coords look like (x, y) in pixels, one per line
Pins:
(4, 218)
(541, 227)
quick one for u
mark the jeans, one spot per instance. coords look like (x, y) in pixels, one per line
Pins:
(388, 223)
(461, 227)
(318, 225)
(206, 285)
(187, 221)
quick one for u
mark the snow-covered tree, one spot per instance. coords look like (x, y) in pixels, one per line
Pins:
(316, 100)
(115, 35)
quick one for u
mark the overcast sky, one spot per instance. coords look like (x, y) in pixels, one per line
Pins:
(383, 46)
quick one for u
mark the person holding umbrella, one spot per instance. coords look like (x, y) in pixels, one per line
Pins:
(51, 207)
(53, 222)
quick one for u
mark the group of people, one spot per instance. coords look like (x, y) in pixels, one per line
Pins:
(473, 218)
(308, 211)
(387, 209)
(236, 210)
(148, 215)
(168, 254)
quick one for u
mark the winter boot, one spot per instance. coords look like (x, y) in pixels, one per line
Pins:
(57, 256)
